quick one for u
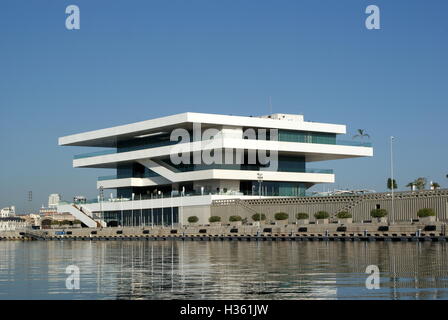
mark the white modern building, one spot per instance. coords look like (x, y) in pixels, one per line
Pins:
(53, 200)
(8, 212)
(169, 168)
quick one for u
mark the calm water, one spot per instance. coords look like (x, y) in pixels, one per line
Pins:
(222, 270)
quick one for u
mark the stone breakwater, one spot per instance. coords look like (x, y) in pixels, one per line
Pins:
(291, 232)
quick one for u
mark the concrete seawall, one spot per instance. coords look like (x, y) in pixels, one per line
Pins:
(354, 231)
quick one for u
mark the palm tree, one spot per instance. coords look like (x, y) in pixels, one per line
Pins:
(435, 185)
(391, 184)
(420, 183)
(410, 185)
(361, 133)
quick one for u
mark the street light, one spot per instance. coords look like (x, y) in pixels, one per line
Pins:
(152, 212)
(141, 211)
(101, 197)
(260, 181)
(161, 194)
(392, 177)
(132, 209)
(121, 205)
(180, 211)
(172, 213)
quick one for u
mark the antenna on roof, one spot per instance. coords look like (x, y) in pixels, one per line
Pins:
(270, 104)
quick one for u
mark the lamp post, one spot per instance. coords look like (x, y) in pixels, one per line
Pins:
(172, 213)
(152, 213)
(121, 205)
(260, 181)
(392, 177)
(180, 211)
(132, 209)
(101, 197)
(141, 211)
(161, 194)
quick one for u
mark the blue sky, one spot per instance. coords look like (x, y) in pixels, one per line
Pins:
(135, 60)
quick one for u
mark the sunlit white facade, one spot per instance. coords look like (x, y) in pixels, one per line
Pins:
(184, 161)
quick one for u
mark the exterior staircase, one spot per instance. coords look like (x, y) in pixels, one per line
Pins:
(34, 234)
(81, 214)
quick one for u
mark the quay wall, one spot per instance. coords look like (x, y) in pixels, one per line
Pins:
(406, 205)
(276, 230)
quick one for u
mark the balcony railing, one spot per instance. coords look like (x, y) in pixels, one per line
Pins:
(353, 143)
(114, 151)
(95, 154)
(115, 177)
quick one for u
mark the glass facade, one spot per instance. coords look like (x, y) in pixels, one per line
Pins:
(285, 164)
(273, 188)
(306, 137)
(134, 170)
(145, 217)
(159, 140)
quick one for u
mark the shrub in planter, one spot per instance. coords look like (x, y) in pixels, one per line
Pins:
(256, 217)
(236, 220)
(321, 215)
(343, 215)
(426, 215)
(193, 219)
(302, 216)
(426, 212)
(281, 216)
(214, 219)
(378, 213)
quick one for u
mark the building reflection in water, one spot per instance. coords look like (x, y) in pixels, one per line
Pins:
(228, 269)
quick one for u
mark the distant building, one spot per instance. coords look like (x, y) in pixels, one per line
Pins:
(8, 212)
(47, 211)
(32, 219)
(53, 200)
(12, 223)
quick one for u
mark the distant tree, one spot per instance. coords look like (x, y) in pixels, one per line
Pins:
(361, 133)
(410, 185)
(420, 183)
(435, 185)
(390, 182)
